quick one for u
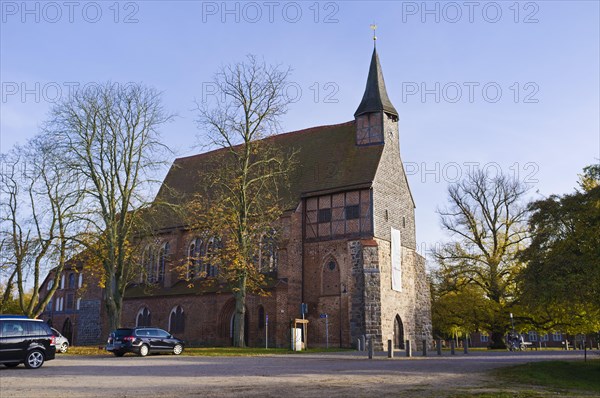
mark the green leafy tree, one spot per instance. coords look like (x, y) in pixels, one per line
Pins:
(458, 312)
(561, 284)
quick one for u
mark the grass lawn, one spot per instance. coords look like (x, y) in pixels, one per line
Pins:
(519, 394)
(584, 376)
(212, 351)
(250, 351)
(543, 380)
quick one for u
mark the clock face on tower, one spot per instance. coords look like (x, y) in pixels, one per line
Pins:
(369, 129)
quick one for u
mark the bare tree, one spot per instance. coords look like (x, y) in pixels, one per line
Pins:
(486, 220)
(241, 201)
(38, 217)
(109, 137)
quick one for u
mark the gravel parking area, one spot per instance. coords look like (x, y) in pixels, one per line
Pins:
(324, 375)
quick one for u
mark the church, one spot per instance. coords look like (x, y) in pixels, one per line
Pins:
(345, 258)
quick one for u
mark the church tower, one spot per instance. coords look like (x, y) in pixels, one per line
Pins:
(395, 298)
(376, 116)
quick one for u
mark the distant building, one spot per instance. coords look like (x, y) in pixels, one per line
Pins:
(76, 309)
(346, 246)
(537, 340)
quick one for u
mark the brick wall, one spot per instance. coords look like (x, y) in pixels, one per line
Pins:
(320, 299)
(208, 317)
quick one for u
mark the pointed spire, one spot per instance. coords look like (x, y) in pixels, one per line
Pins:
(375, 98)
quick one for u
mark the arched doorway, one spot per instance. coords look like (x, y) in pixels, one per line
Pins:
(225, 323)
(398, 333)
(246, 328)
(67, 329)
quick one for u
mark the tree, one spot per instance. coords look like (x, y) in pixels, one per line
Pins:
(458, 312)
(241, 201)
(38, 218)
(561, 284)
(108, 135)
(486, 220)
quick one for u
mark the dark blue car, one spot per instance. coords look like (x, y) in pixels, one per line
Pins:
(143, 341)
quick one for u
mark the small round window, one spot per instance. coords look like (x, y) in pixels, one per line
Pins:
(331, 265)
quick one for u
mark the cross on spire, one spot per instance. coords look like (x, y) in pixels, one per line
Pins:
(374, 27)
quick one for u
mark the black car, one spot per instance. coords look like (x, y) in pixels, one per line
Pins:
(142, 341)
(24, 340)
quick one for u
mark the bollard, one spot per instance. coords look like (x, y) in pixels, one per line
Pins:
(363, 343)
(390, 349)
(370, 343)
(424, 348)
(567, 345)
(466, 346)
(358, 347)
(408, 349)
(452, 347)
(439, 346)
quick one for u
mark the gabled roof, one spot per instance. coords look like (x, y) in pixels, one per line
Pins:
(375, 98)
(327, 160)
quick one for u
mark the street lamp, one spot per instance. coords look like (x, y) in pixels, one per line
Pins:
(512, 322)
(512, 340)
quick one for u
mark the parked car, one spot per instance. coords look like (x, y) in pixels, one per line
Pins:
(143, 341)
(61, 342)
(24, 340)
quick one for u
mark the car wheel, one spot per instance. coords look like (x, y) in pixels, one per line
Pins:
(63, 347)
(34, 360)
(11, 365)
(144, 350)
(118, 354)
(178, 349)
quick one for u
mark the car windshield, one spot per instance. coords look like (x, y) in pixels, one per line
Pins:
(123, 332)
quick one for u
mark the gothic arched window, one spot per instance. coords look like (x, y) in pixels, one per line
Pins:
(177, 320)
(148, 265)
(144, 317)
(162, 262)
(212, 253)
(191, 274)
(268, 253)
(196, 266)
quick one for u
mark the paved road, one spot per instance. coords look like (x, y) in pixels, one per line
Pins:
(323, 375)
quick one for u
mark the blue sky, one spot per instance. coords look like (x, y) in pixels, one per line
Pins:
(497, 85)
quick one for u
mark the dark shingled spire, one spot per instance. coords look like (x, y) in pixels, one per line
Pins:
(375, 98)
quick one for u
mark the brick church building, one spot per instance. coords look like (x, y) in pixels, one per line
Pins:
(346, 247)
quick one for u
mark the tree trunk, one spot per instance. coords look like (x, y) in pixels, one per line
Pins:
(239, 324)
(114, 303)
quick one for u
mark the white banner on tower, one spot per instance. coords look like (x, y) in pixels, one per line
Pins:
(396, 261)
